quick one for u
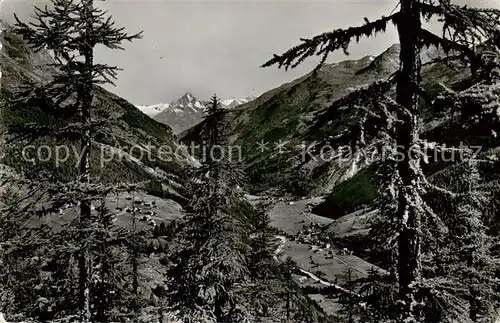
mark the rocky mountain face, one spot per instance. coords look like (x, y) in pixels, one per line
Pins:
(130, 142)
(182, 113)
(185, 112)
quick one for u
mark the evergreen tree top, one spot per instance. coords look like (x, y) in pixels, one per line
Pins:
(215, 107)
(71, 29)
(72, 26)
(463, 28)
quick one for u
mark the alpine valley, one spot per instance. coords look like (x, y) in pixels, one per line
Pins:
(323, 215)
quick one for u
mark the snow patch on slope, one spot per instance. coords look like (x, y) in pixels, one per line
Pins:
(234, 102)
(153, 110)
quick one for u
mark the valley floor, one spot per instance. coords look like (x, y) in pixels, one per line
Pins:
(322, 264)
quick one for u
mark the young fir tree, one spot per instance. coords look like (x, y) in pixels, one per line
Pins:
(71, 31)
(276, 294)
(209, 271)
(134, 259)
(22, 254)
(349, 303)
(379, 298)
(106, 292)
(400, 119)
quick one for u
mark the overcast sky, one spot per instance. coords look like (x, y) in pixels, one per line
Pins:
(208, 47)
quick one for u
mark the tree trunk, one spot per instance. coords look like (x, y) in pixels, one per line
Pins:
(135, 263)
(85, 262)
(409, 265)
(473, 304)
(219, 314)
(85, 218)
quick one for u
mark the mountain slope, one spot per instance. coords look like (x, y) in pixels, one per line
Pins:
(280, 120)
(282, 114)
(127, 148)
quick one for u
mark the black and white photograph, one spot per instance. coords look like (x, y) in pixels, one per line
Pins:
(249, 161)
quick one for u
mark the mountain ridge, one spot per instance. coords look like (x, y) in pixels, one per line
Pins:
(283, 114)
(126, 137)
(185, 111)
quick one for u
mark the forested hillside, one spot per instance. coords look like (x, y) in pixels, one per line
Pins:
(366, 191)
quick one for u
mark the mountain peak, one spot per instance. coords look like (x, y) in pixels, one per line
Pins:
(186, 111)
(386, 62)
(189, 96)
(389, 59)
(186, 101)
(394, 48)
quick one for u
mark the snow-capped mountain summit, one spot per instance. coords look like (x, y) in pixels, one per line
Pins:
(154, 109)
(180, 114)
(234, 102)
(188, 101)
(185, 101)
(186, 111)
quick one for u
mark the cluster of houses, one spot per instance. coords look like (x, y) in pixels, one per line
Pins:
(309, 234)
(147, 215)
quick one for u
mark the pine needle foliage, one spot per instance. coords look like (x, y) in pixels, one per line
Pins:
(85, 248)
(209, 268)
(394, 125)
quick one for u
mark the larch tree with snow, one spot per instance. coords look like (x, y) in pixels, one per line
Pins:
(398, 122)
